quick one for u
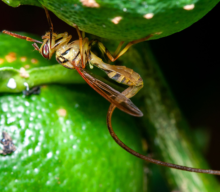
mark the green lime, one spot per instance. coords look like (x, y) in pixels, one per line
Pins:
(63, 143)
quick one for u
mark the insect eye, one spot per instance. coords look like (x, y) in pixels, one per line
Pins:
(45, 52)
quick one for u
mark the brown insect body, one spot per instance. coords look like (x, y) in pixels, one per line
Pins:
(69, 55)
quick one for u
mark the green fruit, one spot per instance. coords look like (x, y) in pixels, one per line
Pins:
(127, 20)
(61, 137)
(72, 152)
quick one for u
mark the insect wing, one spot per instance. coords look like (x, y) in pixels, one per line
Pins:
(110, 94)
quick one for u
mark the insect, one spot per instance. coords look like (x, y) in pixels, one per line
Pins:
(33, 90)
(76, 54)
(8, 145)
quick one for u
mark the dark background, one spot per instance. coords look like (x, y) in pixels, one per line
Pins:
(189, 60)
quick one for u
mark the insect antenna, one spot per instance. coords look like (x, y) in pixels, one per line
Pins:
(148, 159)
(80, 44)
(21, 36)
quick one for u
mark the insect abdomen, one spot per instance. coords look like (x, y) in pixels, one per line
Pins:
(123, 75)
(118, 77)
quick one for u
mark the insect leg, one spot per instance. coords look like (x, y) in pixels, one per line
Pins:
(80, 45)
(51, 27)
(83, 34)
(118, 52)
(132, 91)
(118, 49)
(65, 39)
(48, 19)
(35, 46)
